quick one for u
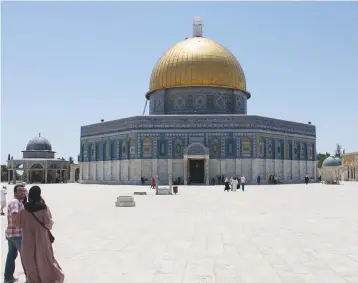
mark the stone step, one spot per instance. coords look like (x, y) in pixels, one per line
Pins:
(125, 199)
(164, 191)
(125, 204)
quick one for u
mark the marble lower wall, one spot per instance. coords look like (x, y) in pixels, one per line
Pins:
(130, 171)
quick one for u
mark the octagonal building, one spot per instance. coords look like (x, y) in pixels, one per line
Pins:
(197, 128)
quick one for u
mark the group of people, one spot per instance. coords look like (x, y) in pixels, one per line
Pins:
(234, 184)
(29, 233)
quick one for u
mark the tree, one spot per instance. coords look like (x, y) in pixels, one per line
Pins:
(338, 150)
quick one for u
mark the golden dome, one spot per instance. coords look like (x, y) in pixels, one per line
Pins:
(197, 61)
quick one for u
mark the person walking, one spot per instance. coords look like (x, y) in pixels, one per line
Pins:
(306, 179)
(258, 180)
(234, 184)
(242, 182)
(152, 183)
(13, 233)
(226, 183)
(3, 199)
(37, 253)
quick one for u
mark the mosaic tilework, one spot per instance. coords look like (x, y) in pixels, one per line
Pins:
(198, 122)
(171, 145)
(201, 100)
(224, 144)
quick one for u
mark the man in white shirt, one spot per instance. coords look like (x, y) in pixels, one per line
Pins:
(234, 184)
(243, 180)
(3, 199)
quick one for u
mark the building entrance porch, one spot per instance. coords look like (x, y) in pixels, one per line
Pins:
(196, 164)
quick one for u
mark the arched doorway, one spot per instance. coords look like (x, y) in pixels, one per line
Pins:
(37, 174)
(20, 172)
(77, 175)
(52, 173)
(196, 164)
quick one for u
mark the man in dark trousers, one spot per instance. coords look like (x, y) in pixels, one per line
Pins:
(306, 180)
(258, 180)
(243, 180)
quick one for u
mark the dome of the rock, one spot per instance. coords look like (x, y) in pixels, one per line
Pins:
(197, 61)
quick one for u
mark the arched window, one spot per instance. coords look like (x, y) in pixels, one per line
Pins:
(93, 152)
(214, 147)
(295, 152)
(107, 151)
(287, 150)
(114, 149)
(246, 146)
(269, 149)
(178, 148)
(83, 156)
(132, 146)
(147, 147)
(310, 152)
(162, 148)
(230, 147)
(261, 147)
(124, 149)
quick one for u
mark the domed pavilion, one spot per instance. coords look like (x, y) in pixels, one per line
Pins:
(198, 129)
(330, 172)
(38, 164)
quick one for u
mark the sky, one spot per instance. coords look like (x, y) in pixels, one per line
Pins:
(68, 64)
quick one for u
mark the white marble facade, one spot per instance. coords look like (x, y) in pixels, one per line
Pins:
(131, 171)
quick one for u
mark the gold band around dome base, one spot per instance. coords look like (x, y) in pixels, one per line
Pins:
(246, 93)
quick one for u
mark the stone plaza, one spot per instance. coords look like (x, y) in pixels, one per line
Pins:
(277, 233)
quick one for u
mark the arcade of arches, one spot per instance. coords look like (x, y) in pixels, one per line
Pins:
(350, 166)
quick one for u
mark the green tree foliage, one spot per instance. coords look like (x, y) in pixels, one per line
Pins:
(321, 157)
(338, 152)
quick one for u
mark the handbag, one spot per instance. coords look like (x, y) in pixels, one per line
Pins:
(50, 236)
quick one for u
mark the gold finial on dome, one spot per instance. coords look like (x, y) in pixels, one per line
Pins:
(197, 27)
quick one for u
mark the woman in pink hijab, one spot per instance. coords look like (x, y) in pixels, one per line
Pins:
(36, 248)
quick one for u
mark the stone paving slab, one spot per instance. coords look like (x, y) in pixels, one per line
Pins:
(284, 233)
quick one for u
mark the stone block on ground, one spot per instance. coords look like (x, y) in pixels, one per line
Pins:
(125, 201)
(140, 193)
(164, 191)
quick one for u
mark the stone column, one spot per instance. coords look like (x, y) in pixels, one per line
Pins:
(156, 184)
(154, 167)
(170, 183)
(170, 167)
(72, 176)
(14, 176)
(95, 170)
(206, 163)
(46, 176)
(27, 176)
(185, 170)
(104, 163)
(8, 176)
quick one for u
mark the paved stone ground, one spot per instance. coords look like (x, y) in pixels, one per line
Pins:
(285, 233)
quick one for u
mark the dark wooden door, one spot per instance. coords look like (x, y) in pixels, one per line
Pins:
(196, 168)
